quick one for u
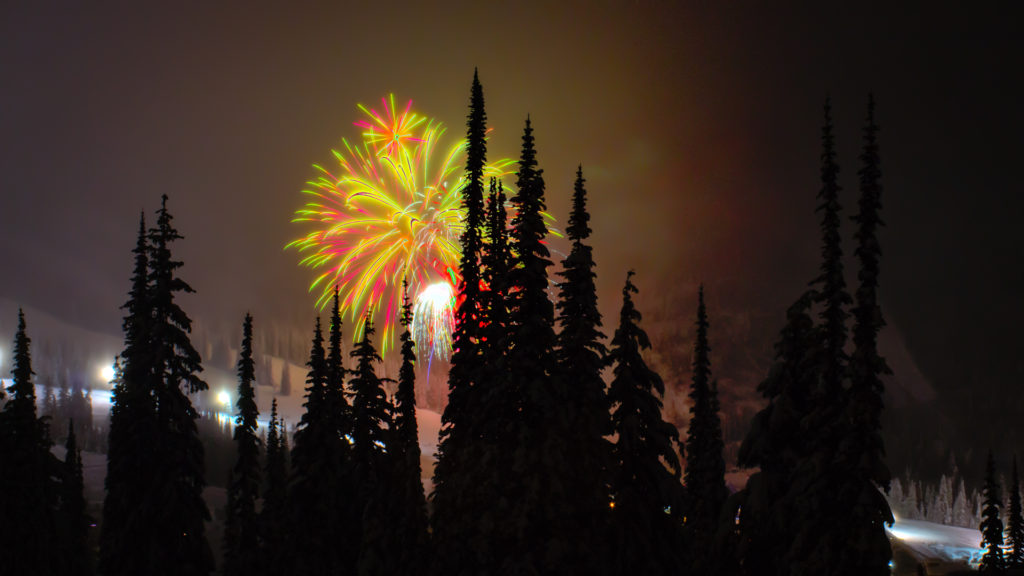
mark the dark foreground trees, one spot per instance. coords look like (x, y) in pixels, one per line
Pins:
(321, 525)
(528, 480)
(155, 460)
(1014, 523)
(241, 531)
(647, 497)
(29, 473)
(73, 521)
(402, 543)
(816, 505)
(462, 479)
(581, 358)
(705, 464)
(273, 516)
(992, 521)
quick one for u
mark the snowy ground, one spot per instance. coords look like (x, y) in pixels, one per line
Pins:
(940, 549)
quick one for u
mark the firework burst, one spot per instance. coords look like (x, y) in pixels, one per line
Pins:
(390, 210)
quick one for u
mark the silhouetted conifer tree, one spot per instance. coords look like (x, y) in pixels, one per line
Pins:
(273, 515)
(482, 453)
(76, 554)
(371, 419)
(339, 410)
(126, 534)
(410, 529)
(179, 545)
(457, 498)
(530, 428)
(495, 263)
(395, 522)
(316, 492)
(646, 488)
(818, 542)
(372, 432)
(866, 545)
(705, 465)
(27, 480)
(1015, 524)
(831, 295)
(241, 532)
(777, 445)
(370, 414)
(821, 534)
(350, 505)
(581, 356)
(992, 523)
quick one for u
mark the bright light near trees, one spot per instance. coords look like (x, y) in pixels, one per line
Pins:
(107, 373)
(224, 398)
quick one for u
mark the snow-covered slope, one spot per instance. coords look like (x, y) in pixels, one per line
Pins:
(939, 549)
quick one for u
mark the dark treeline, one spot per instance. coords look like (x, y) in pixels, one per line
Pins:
(543, 467)
(1002, 522)
(42, 511)
(815, 505)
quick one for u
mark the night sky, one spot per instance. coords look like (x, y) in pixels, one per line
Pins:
(697, 127)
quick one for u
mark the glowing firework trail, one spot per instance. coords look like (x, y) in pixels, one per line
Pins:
(433, 319)
(390, 210)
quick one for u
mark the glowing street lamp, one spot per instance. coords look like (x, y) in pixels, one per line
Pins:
(224, 398)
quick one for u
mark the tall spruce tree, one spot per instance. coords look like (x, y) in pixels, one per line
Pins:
(705, 465)
(273, 515)
(410, 529)
(776, 444)
(76, 554)
(822, 482)
(309, 521)
(495, 260)
(241, 530)
(458, 497)
(339, 410)
(370, 414)
(483, 454)
(1015, 524)
(317, 516)
(535, 531)
(991, 521)
(374, 465)
(831, 293)
(581, 354)
(867, 548)
(350, 505)
(395, 529)
(180, 546)
(126, 534)
(27, 481)
(371, 419)
(648, 495)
